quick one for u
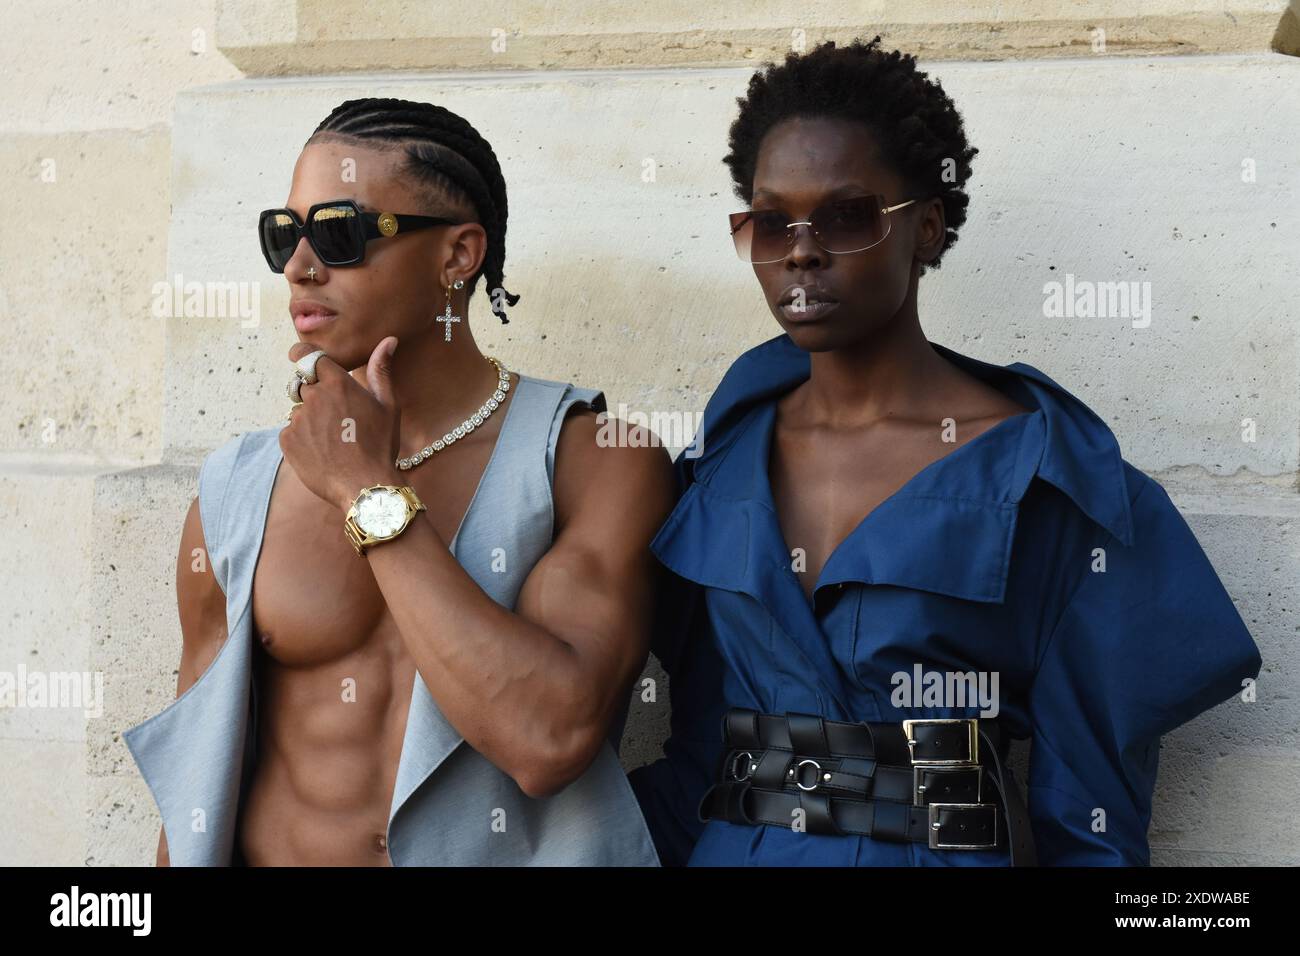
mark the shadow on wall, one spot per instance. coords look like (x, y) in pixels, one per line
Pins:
(1286, 39)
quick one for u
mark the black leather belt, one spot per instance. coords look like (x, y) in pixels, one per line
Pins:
(923, 781)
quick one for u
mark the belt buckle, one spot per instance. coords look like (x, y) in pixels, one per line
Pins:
(968, 762)
(918, 797)
(934, 826)
(972, 741)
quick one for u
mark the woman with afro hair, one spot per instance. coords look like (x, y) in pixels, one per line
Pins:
(891, 559)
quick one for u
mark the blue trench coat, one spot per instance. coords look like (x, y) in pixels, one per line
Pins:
(985, 561)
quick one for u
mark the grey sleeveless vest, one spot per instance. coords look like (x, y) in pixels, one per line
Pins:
(451, 806)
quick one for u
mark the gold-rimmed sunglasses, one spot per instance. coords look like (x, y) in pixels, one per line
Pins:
(846, 225)
(337, 231)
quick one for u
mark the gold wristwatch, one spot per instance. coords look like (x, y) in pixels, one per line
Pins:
(380, 513)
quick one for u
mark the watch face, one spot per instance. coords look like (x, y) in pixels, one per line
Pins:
(381, 513)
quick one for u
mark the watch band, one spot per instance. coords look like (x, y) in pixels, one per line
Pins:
(362, 540)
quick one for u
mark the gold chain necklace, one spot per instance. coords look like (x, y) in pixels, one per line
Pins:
(468, 425)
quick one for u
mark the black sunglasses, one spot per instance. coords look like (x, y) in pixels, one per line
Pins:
(337, 231)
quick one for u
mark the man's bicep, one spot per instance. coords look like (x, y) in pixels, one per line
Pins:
(595, 587)
(200, 603)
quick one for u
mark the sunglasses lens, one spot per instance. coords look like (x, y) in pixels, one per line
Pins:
(741, 233)
(760, 235)
(769, 230)
(279, 238)
(336, 231)
(849, 225)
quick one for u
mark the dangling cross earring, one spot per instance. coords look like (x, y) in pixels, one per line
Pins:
(447, 318)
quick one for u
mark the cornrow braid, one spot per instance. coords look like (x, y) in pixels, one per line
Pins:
(915, 124)
(443, 151)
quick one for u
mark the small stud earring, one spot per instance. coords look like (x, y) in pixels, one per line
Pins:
(458, 284)
(447, 318)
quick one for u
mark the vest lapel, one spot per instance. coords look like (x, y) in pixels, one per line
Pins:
(191, 756)
(192, 753)
(430, 738)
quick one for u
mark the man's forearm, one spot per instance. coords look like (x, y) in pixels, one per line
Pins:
(517, 693)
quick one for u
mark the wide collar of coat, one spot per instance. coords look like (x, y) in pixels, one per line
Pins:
(949, 530)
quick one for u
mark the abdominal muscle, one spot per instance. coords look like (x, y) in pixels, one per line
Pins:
(333, 681)
(329, 740)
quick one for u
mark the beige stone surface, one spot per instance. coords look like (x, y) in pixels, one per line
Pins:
(618, 245)
(43, 811)
(336, 36)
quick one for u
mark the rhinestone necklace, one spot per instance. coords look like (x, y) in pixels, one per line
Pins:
(468, 425)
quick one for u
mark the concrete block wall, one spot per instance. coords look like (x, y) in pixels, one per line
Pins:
(1114, 161)
(85, 155)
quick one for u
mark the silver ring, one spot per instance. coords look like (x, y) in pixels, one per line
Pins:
(295, 387)
(799, 783)
(744, 758)
(307, 366)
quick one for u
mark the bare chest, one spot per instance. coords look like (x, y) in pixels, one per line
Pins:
(825, 485)
(314, 600)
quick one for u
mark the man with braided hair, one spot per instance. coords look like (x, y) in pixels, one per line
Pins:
(415, 644)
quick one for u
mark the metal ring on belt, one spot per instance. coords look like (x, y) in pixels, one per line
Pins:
(920, 781)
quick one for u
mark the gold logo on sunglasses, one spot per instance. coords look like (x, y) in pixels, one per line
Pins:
(387, 224)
